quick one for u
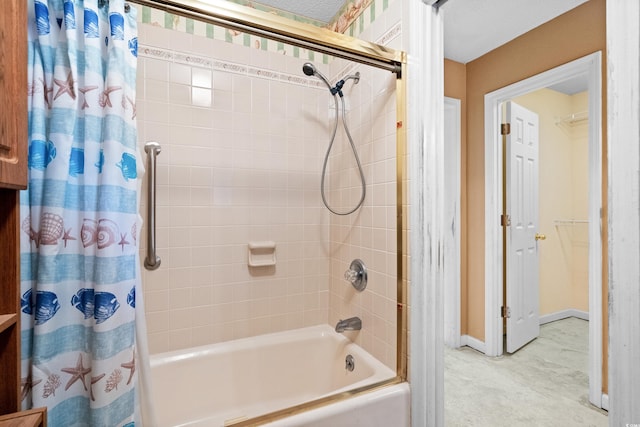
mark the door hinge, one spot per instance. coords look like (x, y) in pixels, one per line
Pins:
(505, 220)
(505, 312)
(505, 129)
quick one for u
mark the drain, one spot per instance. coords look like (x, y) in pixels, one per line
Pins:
(349, 363)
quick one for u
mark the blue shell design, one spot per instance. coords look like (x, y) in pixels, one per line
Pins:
(76, 162)
(131, 424)
(91, 28)
(128, 166)
(41, 153)
(42, 18)
(47, 306)
(116, 21)
(106, 305)
(131, 297)
(133, 46)
(26, 302)
(83, 300)
(100, 162)
(69, 15)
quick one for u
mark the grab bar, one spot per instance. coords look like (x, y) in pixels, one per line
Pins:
(152, 261)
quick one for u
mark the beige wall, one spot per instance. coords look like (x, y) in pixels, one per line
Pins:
(580, 200)
(563, 185)
(575, 34)
(570, 36)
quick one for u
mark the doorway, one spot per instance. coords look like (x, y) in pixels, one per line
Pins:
(589, 67)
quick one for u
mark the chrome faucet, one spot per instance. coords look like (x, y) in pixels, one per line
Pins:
(350, 324)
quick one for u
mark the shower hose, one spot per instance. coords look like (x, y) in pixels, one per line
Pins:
(355, 153)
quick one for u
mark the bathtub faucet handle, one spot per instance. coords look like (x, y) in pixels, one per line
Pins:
(357, 275)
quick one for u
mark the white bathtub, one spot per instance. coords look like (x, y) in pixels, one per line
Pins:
(221, 383)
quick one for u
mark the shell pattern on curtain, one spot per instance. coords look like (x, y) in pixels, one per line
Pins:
(80, 214)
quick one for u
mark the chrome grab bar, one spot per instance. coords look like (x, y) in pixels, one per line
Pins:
(152, 261)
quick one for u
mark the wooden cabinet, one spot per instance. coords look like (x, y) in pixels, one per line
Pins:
(13, 176)
(31, 418)
(13, 95)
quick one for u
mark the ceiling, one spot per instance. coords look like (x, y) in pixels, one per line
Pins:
(471, 27)
(475, 27)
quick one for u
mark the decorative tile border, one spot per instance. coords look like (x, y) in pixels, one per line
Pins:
(391, 34)
(226, 66)
(355, 18)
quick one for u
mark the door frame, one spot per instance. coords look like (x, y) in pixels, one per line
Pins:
(452, 223)
(592, 67)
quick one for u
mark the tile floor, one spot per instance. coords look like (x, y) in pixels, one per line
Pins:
(543, 384)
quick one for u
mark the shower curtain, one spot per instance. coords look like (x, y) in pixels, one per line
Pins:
(80, 222)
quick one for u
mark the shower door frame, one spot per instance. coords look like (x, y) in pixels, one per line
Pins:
(321, 40)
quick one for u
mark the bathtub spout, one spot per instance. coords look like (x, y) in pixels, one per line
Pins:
(351, 324)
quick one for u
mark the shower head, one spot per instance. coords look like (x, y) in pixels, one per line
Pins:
(310, 70)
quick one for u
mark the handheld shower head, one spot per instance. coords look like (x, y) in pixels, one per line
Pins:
(309, 69)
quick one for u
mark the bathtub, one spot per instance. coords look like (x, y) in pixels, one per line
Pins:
(226, 383)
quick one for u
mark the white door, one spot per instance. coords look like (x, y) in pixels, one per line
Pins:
(523, 323)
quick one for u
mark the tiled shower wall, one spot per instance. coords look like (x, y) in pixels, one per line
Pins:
(239, 163)
(369, 234)
(244, 133)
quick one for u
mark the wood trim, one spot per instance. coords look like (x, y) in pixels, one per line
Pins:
(623, 157)
(474, 343)
(452, 221)
(564, 314)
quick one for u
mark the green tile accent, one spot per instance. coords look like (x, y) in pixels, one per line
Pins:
(361, 23)
(168, 21)
(372, 7)
(325, 58)
(189, 26)
(385, 4)
(280, 46)
(351, 28)
(227, 36)
(263, 43)
(246, 40)
(312, 55)
(209, 31)
(296, 52)
(146, 14)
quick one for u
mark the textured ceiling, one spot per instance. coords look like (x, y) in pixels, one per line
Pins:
(320, 10)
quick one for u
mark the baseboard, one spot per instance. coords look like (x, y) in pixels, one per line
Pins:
(474, 343)
(605, 401)
(564, 314)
